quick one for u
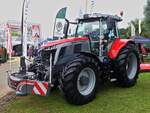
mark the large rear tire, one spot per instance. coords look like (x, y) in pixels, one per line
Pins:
(127, 66)
(79, 80)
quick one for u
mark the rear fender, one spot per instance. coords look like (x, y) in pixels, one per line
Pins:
(117, 45)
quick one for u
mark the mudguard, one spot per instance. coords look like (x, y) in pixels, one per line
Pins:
(117, 46)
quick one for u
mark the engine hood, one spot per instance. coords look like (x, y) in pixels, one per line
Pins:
(61, 41)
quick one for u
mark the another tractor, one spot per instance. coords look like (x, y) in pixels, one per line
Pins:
(76, 65)
(3, 54)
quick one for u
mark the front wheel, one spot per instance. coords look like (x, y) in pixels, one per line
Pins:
(79, 79)
(127, 66)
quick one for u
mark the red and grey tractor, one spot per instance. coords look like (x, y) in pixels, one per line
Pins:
(77, 65)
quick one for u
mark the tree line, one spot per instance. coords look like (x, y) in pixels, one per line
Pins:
(145, 24)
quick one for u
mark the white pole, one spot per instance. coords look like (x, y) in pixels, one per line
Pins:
(50, 69)
(10, 62)
(140, 30)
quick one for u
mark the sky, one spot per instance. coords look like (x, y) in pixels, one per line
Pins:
(44, 11)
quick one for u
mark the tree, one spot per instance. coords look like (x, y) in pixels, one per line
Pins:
(126, 32)
(123, 33)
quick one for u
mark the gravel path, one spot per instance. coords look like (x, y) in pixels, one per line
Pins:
(6, 94)
(9, 97)
(4, 89)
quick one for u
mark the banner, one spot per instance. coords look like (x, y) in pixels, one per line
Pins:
(59, 23)
(132, 30)
(61, 13)
(9, 41)
(59, 27)
(35, 32)
(140, 30)
(24, 26)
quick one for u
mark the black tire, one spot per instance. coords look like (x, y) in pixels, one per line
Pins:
(127, 66)
(69, 77)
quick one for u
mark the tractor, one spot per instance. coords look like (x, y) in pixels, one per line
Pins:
(77, 64)
(3, 54)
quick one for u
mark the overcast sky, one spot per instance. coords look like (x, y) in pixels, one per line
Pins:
(44, 11)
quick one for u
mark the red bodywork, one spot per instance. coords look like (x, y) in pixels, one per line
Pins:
(57, 42)
(145, 67)
(117, 45)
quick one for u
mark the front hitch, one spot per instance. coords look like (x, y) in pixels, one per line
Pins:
(25, 82)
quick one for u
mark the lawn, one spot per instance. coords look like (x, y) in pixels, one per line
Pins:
(110, 99)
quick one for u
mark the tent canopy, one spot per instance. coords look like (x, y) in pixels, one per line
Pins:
(142, 40)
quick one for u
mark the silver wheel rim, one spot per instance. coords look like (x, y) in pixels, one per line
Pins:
(131, 66)
(86, 81)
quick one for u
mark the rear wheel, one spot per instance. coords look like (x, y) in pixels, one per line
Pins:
(79, 79)
(127, 66)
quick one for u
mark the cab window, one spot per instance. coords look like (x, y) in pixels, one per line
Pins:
(90, 28)
(108, 29)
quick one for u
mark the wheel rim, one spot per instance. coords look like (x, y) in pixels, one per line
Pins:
(86, 81)
(131, 66)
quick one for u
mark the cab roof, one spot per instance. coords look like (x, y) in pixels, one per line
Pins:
(99, 15)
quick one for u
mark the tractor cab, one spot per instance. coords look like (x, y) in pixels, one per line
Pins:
(101, 29)
(96, 25)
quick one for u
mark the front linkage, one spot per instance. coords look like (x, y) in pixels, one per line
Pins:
(27, 82)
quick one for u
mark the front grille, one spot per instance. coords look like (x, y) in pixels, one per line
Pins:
(46, 56)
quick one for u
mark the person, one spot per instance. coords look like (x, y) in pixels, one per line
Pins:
(30, 52)
(36, 51)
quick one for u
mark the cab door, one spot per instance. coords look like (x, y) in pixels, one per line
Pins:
(91, 29)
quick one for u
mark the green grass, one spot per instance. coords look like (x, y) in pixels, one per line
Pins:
(110, 99)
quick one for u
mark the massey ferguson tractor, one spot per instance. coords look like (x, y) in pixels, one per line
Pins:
(77, 64)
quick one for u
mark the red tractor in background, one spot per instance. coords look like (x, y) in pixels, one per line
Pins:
(76, 65)
(3, 54)
(144, 51)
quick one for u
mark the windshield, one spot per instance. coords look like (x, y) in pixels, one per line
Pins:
(90, 28)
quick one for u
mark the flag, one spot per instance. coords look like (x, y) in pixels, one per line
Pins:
(80, 13)
(92, 5)
(59, 23)
(61, 13)
(132, 30)
(140, 27)
(9, 41)
(24, 26)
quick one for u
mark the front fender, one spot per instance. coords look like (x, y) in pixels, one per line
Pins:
(117, 45)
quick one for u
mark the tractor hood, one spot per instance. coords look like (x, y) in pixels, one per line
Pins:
(61, 41)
